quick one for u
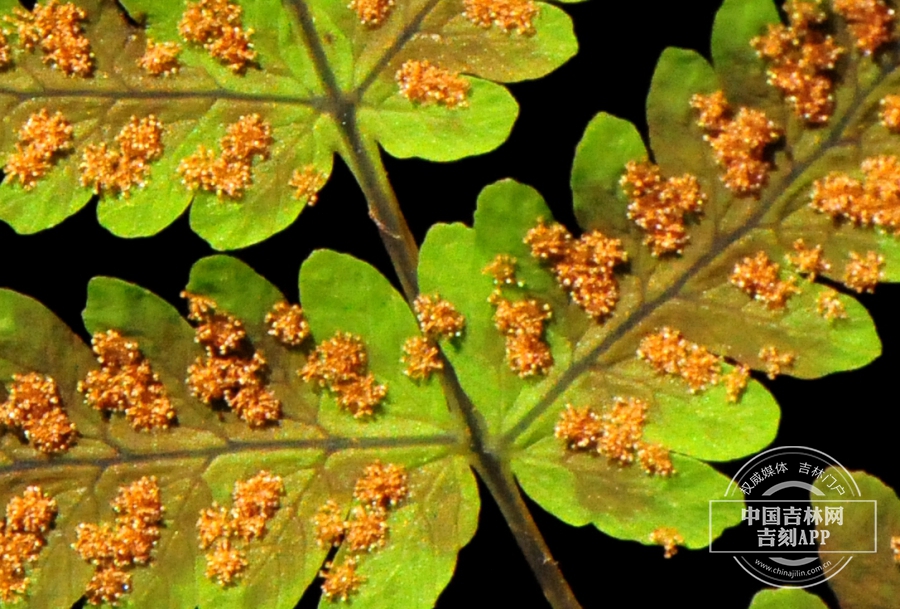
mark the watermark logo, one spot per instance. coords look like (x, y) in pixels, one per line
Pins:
(792, 502)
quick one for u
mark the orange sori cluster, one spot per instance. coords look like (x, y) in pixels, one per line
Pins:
(616, 434)
(758, 276)
(736, 382)
(307, 183)
(217, 25)
(340, 364)
(890, 112)
(507, 15)
(739, 141)
(862, 274)
(115, 549)
(371, 13)
(160, 58)
(870, 22)
(287, 324)
(522, 324)
(230, 173)
(669, 539)
(5, 52)
(829, 306)
(56, 29)
(421, 357)
(231, 371)
(380, 488)
(33, 407)
(41, 139)
(118, 171)
(583, 267)
(28, 517)
(800, 58)
(254, 502)
(670, 353)
(659, 206)
(872, 202)
(341, 581)
(808, 261)
(895, 548)
(126, 383)
(438, 318)
(775, 360)
(503, 269)
(423, 83)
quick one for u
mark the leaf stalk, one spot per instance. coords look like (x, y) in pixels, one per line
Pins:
(365, 162)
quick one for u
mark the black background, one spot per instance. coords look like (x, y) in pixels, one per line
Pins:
(851, 416)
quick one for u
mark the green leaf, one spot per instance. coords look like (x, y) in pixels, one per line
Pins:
(870, 580)
(608, 144)
(740, 70)
(321, 79)
(623, 502)
(786, 598)
(690, 291)
(318, 451)
(676, 141)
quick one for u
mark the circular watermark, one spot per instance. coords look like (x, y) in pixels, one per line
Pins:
(793, 500)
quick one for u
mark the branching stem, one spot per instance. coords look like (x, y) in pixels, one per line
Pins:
(496, 476)
(365, 161)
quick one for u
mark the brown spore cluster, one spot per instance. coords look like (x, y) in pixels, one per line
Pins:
(760, 278)
(380, 488)
(217, 25)
(862, 273)
(33, 407)
(890, 113)
(421, 358)
(437, 317)
(801, 59)
(116, 549)
(126, 383)
(5, 52)
(423, 83)
(307, 182)
(28, 517)
(669, 538)
(669, 352)
(287, 324)
(341, 365)
(583, 267)
(507, 15)
(829, 306)
(895, 549)
(160, 58)
(617, 434)
(659, 207)
(809, 261)
(871, 22)
(739, 141)
(873, 201)
(371, 13)
(231, 372)
(117, 171)
(41, 141)
(229, 173)
(522, 321)
(255, 502)
(775, 360)
(522, 324)
(503, 269)
(56, 29)
(736, 382)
